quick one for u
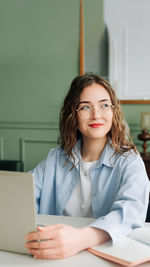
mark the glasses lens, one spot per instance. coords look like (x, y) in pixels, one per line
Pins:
(86, 111)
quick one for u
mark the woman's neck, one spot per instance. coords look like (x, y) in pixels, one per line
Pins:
(92, 149)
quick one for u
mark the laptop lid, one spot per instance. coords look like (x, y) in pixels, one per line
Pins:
(17, 210)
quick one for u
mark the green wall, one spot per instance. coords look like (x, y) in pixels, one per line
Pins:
(39, 57)
(132, 112)
(39, 54)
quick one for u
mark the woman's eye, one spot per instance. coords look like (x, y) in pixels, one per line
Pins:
(104, 106)
(85, 108)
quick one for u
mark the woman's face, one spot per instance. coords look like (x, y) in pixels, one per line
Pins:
(95, 113)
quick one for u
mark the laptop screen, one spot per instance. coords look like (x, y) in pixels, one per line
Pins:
(17, 209)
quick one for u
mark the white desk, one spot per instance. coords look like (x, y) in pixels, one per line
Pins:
(83, 259)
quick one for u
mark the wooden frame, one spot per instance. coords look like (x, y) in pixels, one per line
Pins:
(82, 54)
(135, 101)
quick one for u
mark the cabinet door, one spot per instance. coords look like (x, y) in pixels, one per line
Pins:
(129, 47)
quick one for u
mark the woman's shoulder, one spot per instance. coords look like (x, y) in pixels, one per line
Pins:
(131, 158)
(131, 154)
(127, 156)
(56, 151)
(125, 152)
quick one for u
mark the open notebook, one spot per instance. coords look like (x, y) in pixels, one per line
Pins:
(131, 251)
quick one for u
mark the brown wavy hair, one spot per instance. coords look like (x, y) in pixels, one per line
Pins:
(68, 124)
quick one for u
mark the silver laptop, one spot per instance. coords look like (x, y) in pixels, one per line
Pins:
(17, 210)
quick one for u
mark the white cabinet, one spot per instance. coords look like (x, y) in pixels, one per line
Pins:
(128, 25)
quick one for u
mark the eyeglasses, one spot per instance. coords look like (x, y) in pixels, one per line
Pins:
(86, 111)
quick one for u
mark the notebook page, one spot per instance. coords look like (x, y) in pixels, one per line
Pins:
(141, 234)
(128, 250)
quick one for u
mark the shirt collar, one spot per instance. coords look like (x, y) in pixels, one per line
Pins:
(107, 157)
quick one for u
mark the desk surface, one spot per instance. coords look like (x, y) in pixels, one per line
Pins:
(82, 259)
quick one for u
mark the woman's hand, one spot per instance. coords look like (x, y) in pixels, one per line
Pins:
(61, 241)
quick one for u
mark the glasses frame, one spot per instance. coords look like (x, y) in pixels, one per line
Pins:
(92, 109)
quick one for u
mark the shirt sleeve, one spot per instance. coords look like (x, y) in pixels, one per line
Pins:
(130, 206)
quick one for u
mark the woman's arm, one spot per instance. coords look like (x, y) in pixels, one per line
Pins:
(128, 210)
(61, 241)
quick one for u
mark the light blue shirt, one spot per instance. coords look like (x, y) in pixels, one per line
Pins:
(120, 188)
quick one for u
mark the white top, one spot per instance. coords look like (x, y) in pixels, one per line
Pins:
(80, 204)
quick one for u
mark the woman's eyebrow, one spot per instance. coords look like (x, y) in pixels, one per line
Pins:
(84, 102)
(88, 102)
(103, 100)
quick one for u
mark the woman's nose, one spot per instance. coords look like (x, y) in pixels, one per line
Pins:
(96, 113)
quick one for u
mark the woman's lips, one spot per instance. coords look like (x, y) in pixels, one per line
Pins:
(96, 125)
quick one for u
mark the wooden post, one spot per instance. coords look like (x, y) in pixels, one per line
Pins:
(82, 61)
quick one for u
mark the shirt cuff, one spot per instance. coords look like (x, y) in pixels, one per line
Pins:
(112, 228)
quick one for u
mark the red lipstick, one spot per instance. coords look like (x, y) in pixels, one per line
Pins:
(95, 125)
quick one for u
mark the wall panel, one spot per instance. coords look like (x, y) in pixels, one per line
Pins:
(29, 142)
(1, 148)
(32, 151)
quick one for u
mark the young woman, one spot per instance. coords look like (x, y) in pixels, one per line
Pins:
(95, 172)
